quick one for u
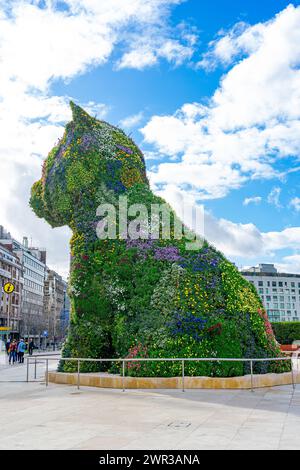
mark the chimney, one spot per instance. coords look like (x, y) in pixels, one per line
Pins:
(25, 242)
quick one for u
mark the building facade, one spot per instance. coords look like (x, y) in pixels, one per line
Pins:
(33, 262)
(10, 304)
(54, 304)
(65, 313)
(39, 307)
(279, 292)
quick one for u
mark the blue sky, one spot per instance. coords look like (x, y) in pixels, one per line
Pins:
(189, 75)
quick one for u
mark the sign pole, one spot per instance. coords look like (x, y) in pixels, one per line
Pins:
(8, 312)
(9, 289)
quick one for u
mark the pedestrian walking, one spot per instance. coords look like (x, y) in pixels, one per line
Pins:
(21, 351)
(7, 346)
(12, 352)
(30, 347)
(17, 350)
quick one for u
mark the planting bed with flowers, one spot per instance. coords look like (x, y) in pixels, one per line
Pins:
(145, 297)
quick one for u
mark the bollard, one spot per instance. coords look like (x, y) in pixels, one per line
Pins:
(183, 375)
(35, 368)
(292, 373)
(251, 370)
(27, 371)
(123, 375)
(78, 374)
(46, 372)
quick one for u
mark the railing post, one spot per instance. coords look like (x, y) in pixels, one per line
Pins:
(251, 371)
(182, 365)
(292, 372)
(123, 375)
(46, 372)
(78, 374)
(35, 368)
(27, 370)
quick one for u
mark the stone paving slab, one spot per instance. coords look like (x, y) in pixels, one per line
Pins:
(60, 417)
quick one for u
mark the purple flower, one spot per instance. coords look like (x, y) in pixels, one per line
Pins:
(125, 149)
(167, 253)
(142, 245)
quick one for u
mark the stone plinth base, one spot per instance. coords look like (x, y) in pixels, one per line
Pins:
(104, 380)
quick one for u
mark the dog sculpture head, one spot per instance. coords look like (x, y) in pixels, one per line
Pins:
(91, 155)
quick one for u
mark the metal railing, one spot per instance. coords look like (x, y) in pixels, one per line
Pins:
(152, 359)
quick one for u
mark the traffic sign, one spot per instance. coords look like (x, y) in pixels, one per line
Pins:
(45, 333)
(8, 288)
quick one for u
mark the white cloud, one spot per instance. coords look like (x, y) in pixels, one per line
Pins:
(146, 55)
(252, 200)
(295, 203)
(154, 44)
(235, 240)
(138, 58)
(241, 39)
(251, 121)
(42, 43)
(39, 44)
(131, 121)
(289, 264)
(274, 196)
(287, 238)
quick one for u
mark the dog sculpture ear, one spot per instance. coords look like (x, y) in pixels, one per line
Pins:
(80, 117)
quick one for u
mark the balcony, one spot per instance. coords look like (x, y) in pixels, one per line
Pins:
(5, 273)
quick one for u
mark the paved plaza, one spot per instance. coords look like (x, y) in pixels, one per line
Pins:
(61, 417)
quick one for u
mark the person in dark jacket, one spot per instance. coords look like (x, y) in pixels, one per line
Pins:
(30, 347)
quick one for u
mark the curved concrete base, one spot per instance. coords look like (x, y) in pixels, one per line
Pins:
(104, 380)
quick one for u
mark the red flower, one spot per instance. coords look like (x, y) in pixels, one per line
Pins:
(215, 329)
(136, 351)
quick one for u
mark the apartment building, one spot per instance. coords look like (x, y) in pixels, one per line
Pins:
(33, 262)
(10, 304)
(54, 304)
(280, 292)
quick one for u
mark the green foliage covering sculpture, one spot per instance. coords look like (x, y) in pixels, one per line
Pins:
(144, 297)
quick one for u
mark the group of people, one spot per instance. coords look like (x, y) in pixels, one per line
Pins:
(16, 349)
